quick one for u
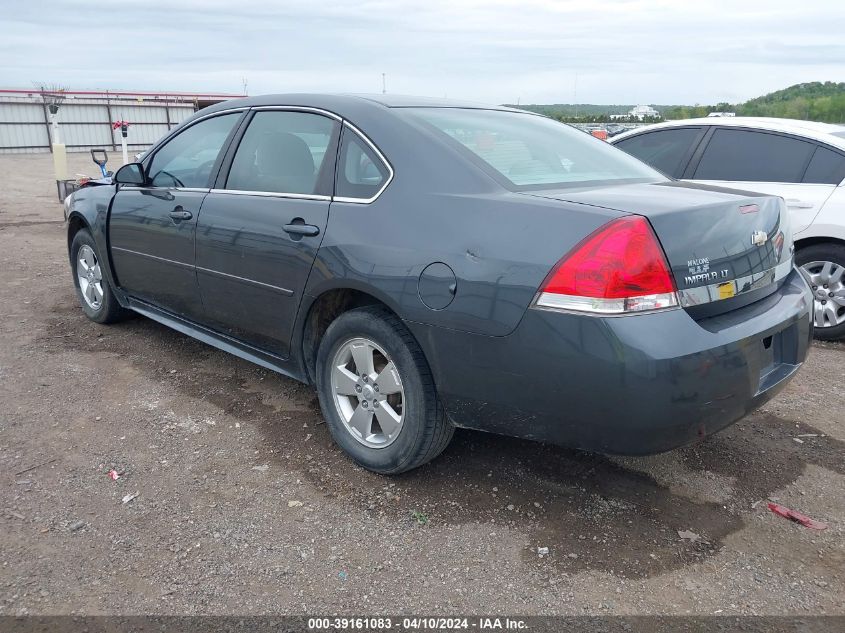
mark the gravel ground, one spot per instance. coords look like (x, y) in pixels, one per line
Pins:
(233, 499)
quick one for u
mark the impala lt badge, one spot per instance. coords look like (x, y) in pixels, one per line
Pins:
(758, 238)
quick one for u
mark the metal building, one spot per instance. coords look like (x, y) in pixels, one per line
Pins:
(86, 118)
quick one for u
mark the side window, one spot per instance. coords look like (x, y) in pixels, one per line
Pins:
(826, 167)
(361, 173)
(743, 155)
(285, 152)
(188, 158)
(663, 150)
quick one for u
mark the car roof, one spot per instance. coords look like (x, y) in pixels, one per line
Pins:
(410, 101)
(829, 133)
(343, 103)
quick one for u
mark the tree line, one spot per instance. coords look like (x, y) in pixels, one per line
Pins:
(815, 101)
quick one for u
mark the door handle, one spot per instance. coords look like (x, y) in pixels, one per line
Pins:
(795, 203)
(300, 228)
(179, 213)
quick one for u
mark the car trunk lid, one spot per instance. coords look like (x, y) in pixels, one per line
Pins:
(721, 244)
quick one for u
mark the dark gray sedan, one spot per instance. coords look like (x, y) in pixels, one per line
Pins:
(432, 264)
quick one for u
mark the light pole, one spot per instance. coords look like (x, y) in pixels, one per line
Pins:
(53, 98)
(123, 126)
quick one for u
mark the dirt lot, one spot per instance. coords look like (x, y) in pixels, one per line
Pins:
(245, 506)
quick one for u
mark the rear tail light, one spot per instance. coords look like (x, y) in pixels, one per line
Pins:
(618, 269)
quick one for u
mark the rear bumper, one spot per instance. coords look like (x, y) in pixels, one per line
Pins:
(626, 385)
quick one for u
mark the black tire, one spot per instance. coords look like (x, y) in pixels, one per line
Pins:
(826, 252)
(109, 310)
(425, 430)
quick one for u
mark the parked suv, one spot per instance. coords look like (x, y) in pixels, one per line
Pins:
(801, 161)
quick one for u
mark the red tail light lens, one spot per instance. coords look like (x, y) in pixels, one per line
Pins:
(620, 268)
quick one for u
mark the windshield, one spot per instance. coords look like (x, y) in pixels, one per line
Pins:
(533, 152)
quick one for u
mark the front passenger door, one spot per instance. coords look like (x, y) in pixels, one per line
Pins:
(260, 229)
(151, 228)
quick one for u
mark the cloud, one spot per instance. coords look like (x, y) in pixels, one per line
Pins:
(622, 51)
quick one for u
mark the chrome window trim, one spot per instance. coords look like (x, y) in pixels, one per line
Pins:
(187, 124)
(701, 295)
(273, 194)
(390, 171)
(381, 157)
(284, 291)
(322, 198)
(150, 153)
(331, 115)
(284, 194)
(189, 189)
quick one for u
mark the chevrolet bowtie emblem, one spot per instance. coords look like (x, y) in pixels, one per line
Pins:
(758, 238)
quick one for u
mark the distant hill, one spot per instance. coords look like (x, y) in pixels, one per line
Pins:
(814, 101)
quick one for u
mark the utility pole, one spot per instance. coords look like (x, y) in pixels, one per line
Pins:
(575, 95)
(383, 83)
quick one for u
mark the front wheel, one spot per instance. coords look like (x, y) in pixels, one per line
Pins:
(92, 289)
(377, 393)
(823, 266)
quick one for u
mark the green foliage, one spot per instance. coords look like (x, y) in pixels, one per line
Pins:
(420, 517)
(587, 111)
(815, 101)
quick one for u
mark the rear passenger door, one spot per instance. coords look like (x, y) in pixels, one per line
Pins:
(260, 227)
(667, 150)
(767, 162)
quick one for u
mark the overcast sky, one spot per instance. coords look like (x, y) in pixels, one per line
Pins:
(621, 51)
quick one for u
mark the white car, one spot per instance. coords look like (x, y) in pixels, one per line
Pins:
(800, 161)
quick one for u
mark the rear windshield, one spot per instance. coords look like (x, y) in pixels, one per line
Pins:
(534, 152)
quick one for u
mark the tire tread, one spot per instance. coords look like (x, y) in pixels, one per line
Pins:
(438, 430)
(111, 311)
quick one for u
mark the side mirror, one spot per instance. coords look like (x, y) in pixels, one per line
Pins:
(130, 174)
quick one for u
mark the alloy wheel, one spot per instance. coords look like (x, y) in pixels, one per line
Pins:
(827, 281)
(90, 277)
(368, 392)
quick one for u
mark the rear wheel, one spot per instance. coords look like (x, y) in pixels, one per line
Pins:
(92, 288)
(823, 266)
(377, 393)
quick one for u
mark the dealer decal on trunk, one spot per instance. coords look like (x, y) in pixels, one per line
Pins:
(700, 271)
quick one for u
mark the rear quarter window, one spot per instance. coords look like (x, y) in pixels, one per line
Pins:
(361, 174)
(826, 167)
